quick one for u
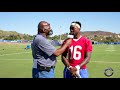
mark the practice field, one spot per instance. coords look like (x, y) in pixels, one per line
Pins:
(16, 61)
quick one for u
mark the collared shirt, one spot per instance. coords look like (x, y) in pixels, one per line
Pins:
(42, 52)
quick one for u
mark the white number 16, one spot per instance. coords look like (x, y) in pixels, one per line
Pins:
(76, 53)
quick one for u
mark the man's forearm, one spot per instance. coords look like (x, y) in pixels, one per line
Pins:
(65, 61)
(86, 60)
(60, 50)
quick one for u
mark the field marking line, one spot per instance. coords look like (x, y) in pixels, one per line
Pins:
(61, 61)
(104, 62)
(99, 62)
(18, 59)
(110, 48)
(15, 53)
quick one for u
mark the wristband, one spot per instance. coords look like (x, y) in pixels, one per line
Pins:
(69, 67)
(78, 67)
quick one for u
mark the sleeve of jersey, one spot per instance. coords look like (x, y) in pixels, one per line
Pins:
(89, 45)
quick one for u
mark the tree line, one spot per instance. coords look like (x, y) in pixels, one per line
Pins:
(100, 36)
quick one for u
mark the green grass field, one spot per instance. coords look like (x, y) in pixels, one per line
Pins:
(16, 61)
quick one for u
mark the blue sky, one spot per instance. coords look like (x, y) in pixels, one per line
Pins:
(26, 22)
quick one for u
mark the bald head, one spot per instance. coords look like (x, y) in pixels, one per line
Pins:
(44, 27)
(43, 24)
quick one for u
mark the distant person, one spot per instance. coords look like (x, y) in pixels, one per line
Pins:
(79, 54)
(28, 47)
(44, 53)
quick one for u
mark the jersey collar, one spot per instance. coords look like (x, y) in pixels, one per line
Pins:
(78, 38)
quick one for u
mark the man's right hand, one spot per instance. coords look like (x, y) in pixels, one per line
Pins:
(73, 71)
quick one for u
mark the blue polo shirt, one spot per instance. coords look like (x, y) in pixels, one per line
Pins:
(42, 52)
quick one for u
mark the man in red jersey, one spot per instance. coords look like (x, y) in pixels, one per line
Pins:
(79, 54)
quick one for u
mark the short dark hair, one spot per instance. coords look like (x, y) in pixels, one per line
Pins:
(77, 23)
(39, 25)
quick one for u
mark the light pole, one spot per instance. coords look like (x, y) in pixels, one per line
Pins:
(60, 35)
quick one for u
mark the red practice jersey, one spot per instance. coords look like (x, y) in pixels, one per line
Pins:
(77, 49)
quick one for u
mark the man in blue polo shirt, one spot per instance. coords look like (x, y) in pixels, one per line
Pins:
(44, 53)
